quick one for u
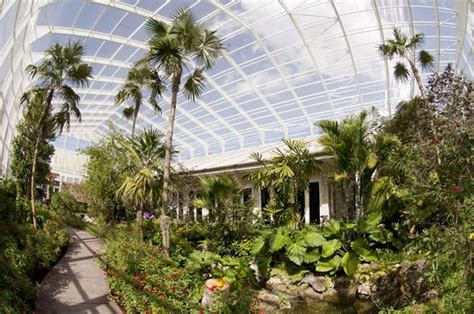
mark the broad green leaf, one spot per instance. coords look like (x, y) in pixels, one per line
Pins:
(332, 227)
(328, 264)
(263, 264)
(362, 248)
(296, 252)
(330, 247)
(279, 239)
(312, 256)
(369, 223)
(378, 236)
(314, 238)
(349, 263)
(347, 226)
(257, 245)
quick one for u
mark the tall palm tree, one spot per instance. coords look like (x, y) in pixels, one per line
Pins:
(405, 48)
(139, 78)
(142, 185)
(60, 71)
(359, 153)
(183, 49)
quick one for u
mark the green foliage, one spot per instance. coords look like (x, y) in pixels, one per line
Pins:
(219, 194)
(8, 195)
(405, 49)
(139, 79)
(64, 201)
(24, 254)
(285, 175)
(360, 152)
(142, 281)
(142, 184)
(435, 163)
(328, 249)
(56, 74)
(23, 147)
(104, 175)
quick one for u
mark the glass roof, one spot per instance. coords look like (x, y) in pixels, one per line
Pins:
(287, 63)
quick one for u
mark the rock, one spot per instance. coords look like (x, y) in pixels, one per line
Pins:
(269, 299)
(292, 290)
(364, 290)
(274, 281)
(202, 246)
(309, 293)
(269, 302)
(318, 283)
(403, 285)
(253, 266)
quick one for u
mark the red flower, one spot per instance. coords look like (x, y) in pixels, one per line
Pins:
(457, 189)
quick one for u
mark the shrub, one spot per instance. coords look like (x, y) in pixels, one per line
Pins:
(25, 255)
(142, 281)
(64, 201)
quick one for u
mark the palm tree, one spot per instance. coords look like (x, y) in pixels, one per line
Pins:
(218, 194)
(142, 185)
(58, 73)
(181, 49)
(405, 48)
(286, 174)
(359, 153)
(138, 79)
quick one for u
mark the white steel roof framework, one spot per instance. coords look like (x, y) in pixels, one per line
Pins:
(287, 64)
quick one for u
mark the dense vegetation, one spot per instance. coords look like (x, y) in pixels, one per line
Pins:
(25, 253)
(404, 185)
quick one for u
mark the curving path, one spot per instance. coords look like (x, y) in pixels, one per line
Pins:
(76, 284)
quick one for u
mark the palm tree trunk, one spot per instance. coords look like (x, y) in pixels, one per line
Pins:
(165, 193)
(135, 115)
(32, 181)
(417, 76)
(35, 156)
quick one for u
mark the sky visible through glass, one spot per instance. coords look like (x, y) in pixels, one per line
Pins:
(287, 64)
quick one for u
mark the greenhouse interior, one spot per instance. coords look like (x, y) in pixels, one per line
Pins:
(236, 156)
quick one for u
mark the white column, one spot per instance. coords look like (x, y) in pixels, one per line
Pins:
(306, 206)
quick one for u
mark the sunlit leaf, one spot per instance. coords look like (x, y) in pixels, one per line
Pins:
(349, 263)
(330, 247)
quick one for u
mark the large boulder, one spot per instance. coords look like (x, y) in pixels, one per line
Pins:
(268, 301)
(318, 283)
(399, 287)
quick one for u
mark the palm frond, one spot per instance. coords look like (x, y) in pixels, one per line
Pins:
(399, 36)
(208, 49)
(194, 85)
(401, 72)
(416, 41)
(79, 74)
(156, 28)
(165, 53)
(128, 112)
(426, 60)
(386, 51)
(185, 29)
(32, 70)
